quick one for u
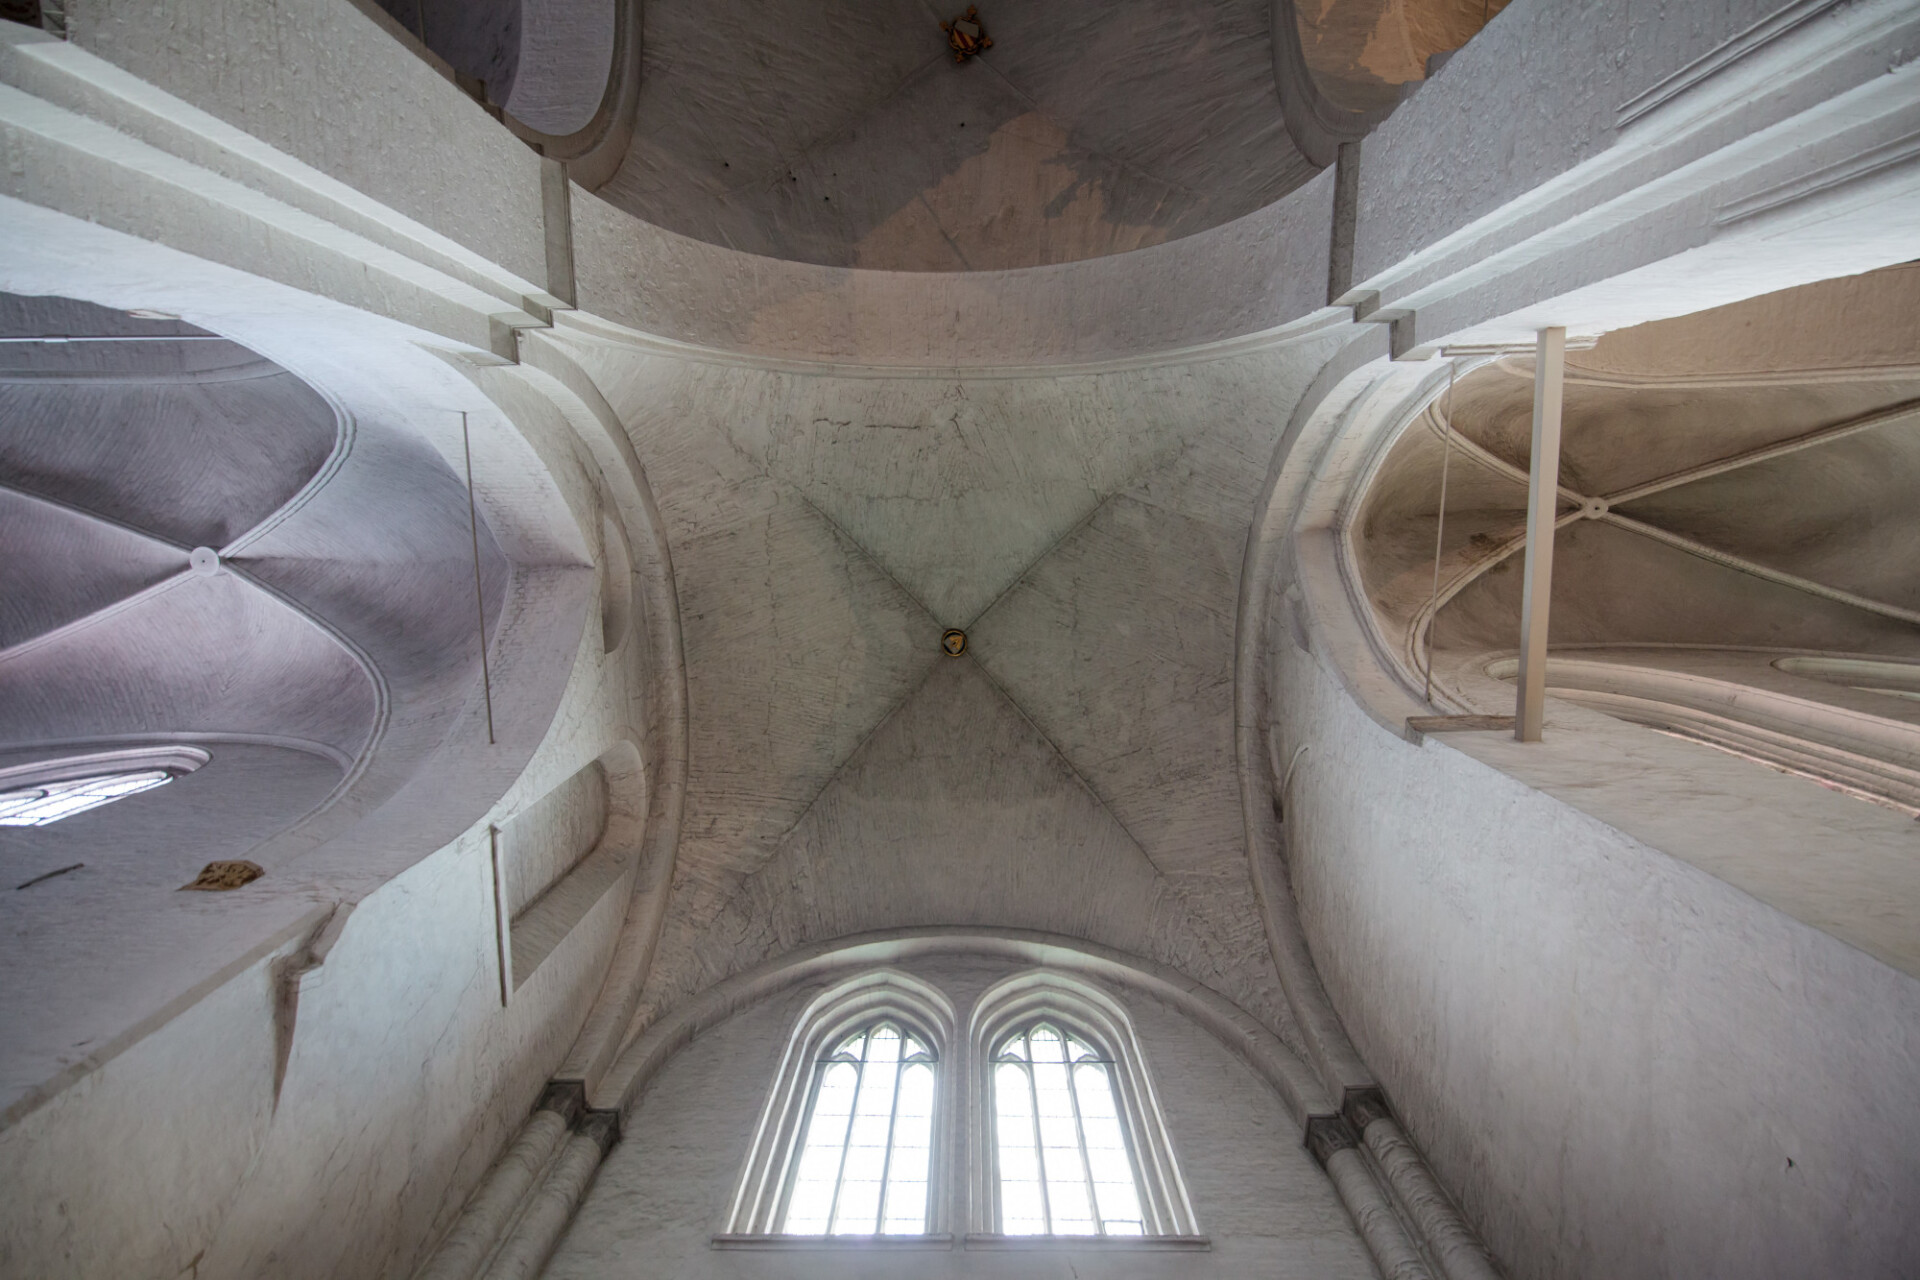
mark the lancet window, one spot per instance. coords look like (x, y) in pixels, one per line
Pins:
(1063, 1162)
(864, 1159)
(886, 1123)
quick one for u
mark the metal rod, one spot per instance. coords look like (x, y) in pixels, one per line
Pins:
(479, 596)
(1440, 522)
(1543, 491)
(135, 337)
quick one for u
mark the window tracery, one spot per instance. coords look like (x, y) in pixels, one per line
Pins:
(39, 794)
(1043, 1115)
(850, 1143)
(1062, 1159)
(37, 806)
(864, 1160)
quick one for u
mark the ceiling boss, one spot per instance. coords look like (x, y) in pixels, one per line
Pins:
(965, 36)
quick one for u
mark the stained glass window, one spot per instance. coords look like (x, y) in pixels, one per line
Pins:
(38, 805)
(1062, 1159)
(865, 1154)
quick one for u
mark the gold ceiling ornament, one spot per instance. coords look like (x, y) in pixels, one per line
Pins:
(967, 38)
(953, 642)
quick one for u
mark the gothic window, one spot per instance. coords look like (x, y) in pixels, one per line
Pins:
(48, 802)
(1063, 1163)
(866, 1154)
(35, 795)
(851, 1142)
(1068, 1138)
(881, 1127)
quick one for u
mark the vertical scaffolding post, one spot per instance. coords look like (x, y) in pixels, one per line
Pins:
(1543, 494)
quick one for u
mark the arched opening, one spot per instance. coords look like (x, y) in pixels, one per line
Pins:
(1732, 544)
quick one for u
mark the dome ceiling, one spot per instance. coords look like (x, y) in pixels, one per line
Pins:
(844, 133)
(203, 549)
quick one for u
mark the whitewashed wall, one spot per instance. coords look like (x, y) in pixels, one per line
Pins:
(1620, 1064)
(405, 1078)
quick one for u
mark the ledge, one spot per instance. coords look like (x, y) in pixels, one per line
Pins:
(811, 1244)
(1103, 1244)
(985, 1241)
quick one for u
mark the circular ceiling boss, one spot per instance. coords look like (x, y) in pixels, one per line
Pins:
(953, 642)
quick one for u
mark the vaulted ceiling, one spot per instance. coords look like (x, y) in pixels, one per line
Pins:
(844, 133)
(1073, 771)
(1738, 477)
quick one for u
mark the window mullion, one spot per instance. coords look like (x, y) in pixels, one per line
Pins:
(846, 1139)
(886, 1161)
(1039, 1143)
(1080, 1132)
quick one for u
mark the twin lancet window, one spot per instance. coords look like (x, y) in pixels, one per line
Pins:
(864, 1134)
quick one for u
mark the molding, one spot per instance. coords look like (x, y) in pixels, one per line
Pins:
(1722, 56)
(1646, 203)
(594, 153)
(1327, 1135)
(828, 1244)
(175, 758)
(1317, 124)
(664, 749)
(1238, 1031)
(1841, 173)
(993, 1242)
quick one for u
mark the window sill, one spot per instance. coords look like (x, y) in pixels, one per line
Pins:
(986, 1241)
(807, 1244)
(1104, 1244)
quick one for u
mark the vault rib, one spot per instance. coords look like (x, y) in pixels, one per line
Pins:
(1741, 564)
(1072, 768)
(1493, 461)
(1818, 436)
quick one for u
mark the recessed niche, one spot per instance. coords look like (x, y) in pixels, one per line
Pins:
(556, 859)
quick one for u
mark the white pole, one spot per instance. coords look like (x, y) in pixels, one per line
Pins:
(1543, 494)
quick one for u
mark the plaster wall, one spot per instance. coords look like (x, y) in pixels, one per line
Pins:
(666, 1189)
(1621, 1065)
(1457, 150)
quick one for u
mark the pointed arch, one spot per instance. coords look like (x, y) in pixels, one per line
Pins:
(1079, 1013)
(840, 1029)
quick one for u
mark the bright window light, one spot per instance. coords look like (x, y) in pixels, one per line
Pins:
(865, 1158)
(48, 802)
(1063, 1162)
